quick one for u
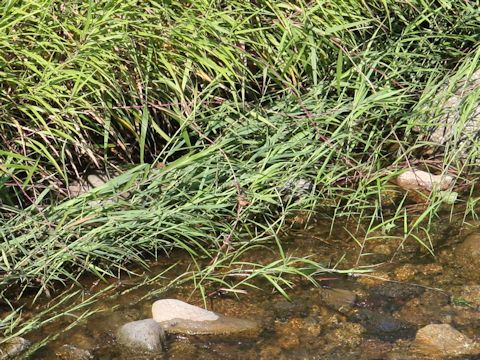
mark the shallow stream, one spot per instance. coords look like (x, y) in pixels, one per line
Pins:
(355, 316)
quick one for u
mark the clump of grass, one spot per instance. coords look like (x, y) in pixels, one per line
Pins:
(88, 83)
(232, 117)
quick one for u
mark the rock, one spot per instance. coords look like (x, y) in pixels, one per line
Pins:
(421, 180)
(431, 269)
(457, 108)
(384, 249)
(432, 306)
(178, 317)
(70, 352)
(297, 187)
(444, 340)
(13, 347)
(391, 296)
(169, 309)
(467, 254)
(142, 334)
(338, 298)
(471, 294)
(224, 325)
(373, 278)
(384, 326)
(396, 291)
(405, 272)
(303, 327)
(345, 335)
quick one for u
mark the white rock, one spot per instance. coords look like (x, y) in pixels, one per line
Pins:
(421, 180)
(169, 309)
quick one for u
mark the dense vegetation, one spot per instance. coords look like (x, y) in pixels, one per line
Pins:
(224, 118)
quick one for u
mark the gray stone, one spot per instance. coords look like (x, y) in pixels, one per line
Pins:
(13, 347)
(443, 340)
(142, 334)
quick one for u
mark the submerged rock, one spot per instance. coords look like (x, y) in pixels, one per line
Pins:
(224, 325)
(70, 352)
(178, 317)
(384, 326)
(338, 298)
(471, 294)
(467, 254)
(444, 340)
(143, 334)
(13, 347)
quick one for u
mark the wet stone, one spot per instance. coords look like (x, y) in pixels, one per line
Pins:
(384, 326)
(224, 325)
(284, 308)
(143, 334)
(471, 294)
(338, 298)
(391, 296)
(70, 352)
(178, 317)
(345, 335)
(405, 272)
(168, 309)
(467, 254)
(13, 347)
(444, 340)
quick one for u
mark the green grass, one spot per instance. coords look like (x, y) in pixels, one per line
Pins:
(213, 111)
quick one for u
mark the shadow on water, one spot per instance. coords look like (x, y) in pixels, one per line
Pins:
(361, 316)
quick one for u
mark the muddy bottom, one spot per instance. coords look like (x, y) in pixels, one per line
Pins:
(355, 316)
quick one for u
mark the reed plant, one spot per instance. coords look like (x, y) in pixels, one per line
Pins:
(223, 119)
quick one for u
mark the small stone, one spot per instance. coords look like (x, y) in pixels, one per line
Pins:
(373, 278)
(347, 334)
(270, 352)
(384, 249)
(444, 340)
(384, 326)
(431, 269)
(169, 309)
(405, 272)
(338, 298)
(421, 180)
(70, 352)
(289, 342)
(143, 334)
(13, 347)
(467, 254)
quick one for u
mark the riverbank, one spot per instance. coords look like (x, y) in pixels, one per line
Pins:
(218, 124)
